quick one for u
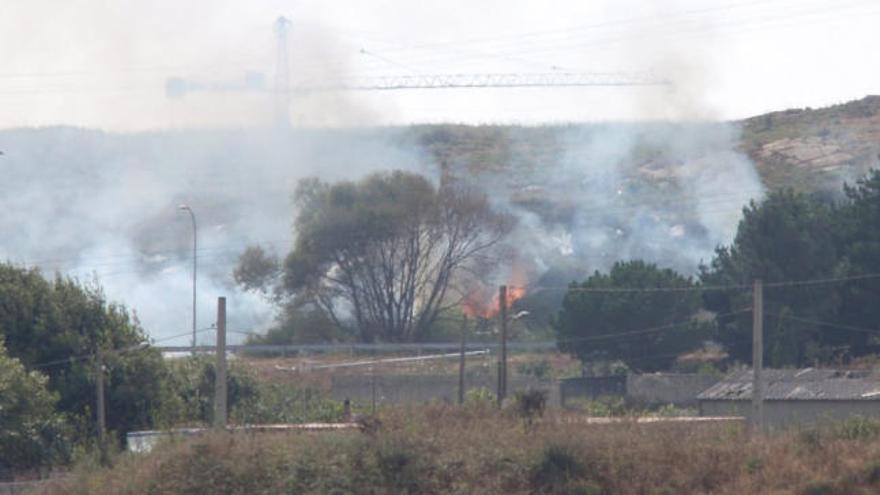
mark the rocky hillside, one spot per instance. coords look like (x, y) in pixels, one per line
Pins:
(815, 149)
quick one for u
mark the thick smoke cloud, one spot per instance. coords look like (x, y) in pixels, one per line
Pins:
(93, 204)
(663, 192)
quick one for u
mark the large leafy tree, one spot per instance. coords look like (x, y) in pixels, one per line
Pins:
(601, 320)
(789, 236)
(859, 221)
(386, 251)
(59, 325)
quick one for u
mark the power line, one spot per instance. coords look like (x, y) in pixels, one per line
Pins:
(85, 357)
(644, 331)
(704, 288)
(825, 323)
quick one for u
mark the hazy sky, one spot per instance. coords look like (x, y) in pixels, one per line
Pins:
(104, 64)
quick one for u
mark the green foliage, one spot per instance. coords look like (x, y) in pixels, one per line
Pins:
(285, 403)
(32, 434)
(250, 401)
(479, 398)
(603, 407)
(788, 236)
(193, 382)
(64, 321)
(539, 369)
(607, 325)
(858, 428)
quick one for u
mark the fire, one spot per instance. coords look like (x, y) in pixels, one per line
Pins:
(483, 302)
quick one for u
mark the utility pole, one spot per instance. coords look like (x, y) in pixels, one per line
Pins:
(502, 364)
(192, 216)
(101, 410)
(220, 379)
(461, 362)
(757, 422)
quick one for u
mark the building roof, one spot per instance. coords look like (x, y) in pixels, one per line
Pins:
(804, 384)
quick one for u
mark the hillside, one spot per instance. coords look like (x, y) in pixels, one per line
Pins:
(92, 203)
(807, 149)
(815, 149)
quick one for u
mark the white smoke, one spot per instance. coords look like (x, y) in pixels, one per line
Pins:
(92, 204)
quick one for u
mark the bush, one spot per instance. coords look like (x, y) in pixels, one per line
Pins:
(32, 434)
(539, 369)
(602, 407)
(858, 428)
(400, 466)
(479, 397)
(530, 405)
(555, 468)
(819, 488)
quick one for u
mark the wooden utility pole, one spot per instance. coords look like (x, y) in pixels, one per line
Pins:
(757, 417)
(461, 362)
(502, 367)
(99, 385)
(101, 411)
(220, 381)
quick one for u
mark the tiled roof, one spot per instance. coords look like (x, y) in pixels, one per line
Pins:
(804, 384)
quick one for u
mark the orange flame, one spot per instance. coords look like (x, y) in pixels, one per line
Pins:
(483, 302)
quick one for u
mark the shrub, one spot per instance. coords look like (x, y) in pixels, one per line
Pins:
(530, 405)
(400, 466)
(555, 467)
(858, 428)
(539, 369)
(819, 488)
(479, 397)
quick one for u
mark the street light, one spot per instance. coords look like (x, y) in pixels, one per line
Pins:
(195, 266)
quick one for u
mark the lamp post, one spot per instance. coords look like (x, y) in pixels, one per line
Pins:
(195, 267)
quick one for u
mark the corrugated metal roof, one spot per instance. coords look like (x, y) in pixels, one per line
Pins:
(804, 384)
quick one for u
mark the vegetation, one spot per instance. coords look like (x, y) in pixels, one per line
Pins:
(441, 449)
(389, 250)
(612, 325)
(787, 237)
(59, 326)
(32, 433)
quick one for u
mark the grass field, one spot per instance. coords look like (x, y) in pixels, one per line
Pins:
(477, 450)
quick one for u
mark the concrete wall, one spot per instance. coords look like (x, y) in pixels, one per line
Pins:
(398, 389)
(679, 389)
(650, 390)
(591, 387)
(790, 413)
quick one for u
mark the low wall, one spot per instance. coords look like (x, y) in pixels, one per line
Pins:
(591, 387)
(678, 389)
(650, 389)
(400, 389)
(781, 414)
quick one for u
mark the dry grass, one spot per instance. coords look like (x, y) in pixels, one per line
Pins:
(439, 449)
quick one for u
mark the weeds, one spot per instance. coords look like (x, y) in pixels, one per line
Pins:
(439, 449)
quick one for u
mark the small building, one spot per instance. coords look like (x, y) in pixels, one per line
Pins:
(796, 397)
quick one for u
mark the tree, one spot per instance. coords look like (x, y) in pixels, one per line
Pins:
(859, 219)
(387, 250)
(32, 434)
(60, 325)
(788, 236)
(598, 321)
